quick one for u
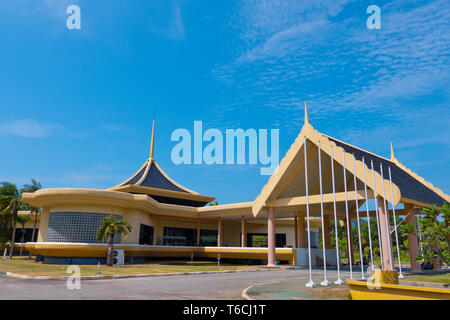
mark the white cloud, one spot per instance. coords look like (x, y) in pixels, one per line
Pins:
(28, 128)
(297, 50)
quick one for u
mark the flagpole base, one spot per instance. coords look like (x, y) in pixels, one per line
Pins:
(310, 284)
(324, 283)
(339, 282)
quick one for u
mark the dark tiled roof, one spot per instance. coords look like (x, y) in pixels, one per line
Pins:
(409, 186)
(154, 179)
(136, 178)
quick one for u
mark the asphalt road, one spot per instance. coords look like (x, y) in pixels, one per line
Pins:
(185, 287)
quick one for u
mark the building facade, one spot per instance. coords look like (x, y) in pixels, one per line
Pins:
(320, 180)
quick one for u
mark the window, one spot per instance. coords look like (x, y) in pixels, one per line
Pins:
(179, 236)
(208, 238)
(146, 235)
(80, 227)
(260, 240)
(28, 232)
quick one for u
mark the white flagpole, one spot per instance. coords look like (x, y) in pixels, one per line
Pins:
(348, 222)
(395, 223)
(367, 210)
(357, 217)
(376, 209)
(311, 283)
(336, 235)
(325, 281)
(387, 219)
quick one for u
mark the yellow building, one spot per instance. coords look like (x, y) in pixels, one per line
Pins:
(169, 220)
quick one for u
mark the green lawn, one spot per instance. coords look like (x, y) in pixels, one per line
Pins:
(436, 278)
(22, 265)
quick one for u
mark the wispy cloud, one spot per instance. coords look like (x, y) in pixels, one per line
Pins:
(29, 128)
(169, 24)
(176, 29)
(291, 51)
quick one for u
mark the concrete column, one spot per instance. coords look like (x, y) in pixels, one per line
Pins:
(243, 232)
(412, 239)
(326, 231)
(219, 233)
(385, 236)
(198, 233)
(271, 238)
(295, 233)
(301, 230)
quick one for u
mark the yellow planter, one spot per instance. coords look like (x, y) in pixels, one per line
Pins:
(385, 276)
(361, 290)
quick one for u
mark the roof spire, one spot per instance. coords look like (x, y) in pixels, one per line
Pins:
(306, 114)
(153, 140)
(392, 152)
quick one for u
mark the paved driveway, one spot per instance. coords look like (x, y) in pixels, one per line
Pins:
(206, 286)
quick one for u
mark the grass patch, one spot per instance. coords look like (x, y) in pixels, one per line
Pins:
(22, 265)
(435, 278)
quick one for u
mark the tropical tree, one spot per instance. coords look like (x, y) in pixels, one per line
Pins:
(33, 187)
(11, 197)
(445, 209)
(22, 219)
(108, 229)
(435, 238)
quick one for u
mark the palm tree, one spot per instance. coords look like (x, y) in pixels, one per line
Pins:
(22, 219)
(10, 195)
(33, 187)
(108, 229)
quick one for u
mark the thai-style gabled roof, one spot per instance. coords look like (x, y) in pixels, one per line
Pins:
(411, 186)
(289, 179)
(150, 179)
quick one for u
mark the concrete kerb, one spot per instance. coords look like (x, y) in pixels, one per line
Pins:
(124, 276)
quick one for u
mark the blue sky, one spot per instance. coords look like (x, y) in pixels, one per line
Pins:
(76, 106)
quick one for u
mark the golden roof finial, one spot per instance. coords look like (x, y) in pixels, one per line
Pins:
(392, 152)
(306, 114)
(152, 145)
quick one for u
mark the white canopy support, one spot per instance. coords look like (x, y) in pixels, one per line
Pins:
(310, 284)
(336, 233)
(361, 256)
(387, 219)
(325, 281)
(367, 210)
(395, 229)
(377, 215)
(349, 241)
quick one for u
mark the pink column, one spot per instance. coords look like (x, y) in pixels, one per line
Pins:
(385, 236)
(412, 240)
(219, 232)
(295, 233)
(326, 230)
(301, 230)
(271, 238)
(243, 232)
(198, 234)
